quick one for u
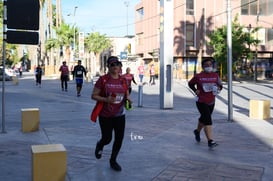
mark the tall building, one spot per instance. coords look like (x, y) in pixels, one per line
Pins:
(193, 21)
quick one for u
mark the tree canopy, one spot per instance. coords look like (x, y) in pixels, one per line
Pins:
(242, 39)
(97, 42)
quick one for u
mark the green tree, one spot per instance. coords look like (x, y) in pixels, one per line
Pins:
(97, 43)
(64, 38)
(11, 55)
(1, 10)
(241, 41)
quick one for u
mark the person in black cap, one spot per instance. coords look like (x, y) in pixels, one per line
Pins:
(78, 73)
(206, 85)
(112, 90)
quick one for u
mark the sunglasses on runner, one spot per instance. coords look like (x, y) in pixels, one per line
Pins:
(115, 64)
(207, 64)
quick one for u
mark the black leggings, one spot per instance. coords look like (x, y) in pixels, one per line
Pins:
(38, 79)
(107, 125)
(205, 111)
(152, 79)
(130, 89)
(64, 79)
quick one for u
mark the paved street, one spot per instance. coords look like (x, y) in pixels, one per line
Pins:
(159, 144)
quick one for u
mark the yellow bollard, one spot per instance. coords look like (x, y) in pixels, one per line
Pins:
(30, 119)
(49, 162)
(15, 80)
(259, 109)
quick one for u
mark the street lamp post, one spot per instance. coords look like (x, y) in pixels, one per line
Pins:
(229, 64)
(74, 31)
(256, 50)
(74, 41)
(38, 53)
(126, 3)
(249, 51)
(54, 58)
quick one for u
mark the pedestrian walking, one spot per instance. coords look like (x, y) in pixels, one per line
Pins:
(38, 75)
(79, 73)
(141, 72)
(129, 79)
(152, 75)
(206, 85)
(21, 71)
(112, 90)
(64, 75)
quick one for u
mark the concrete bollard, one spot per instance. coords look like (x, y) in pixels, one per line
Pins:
(140, 95)
(30, 119)
(15, 80)
(49, 162)
(259, 109)
(92, 79)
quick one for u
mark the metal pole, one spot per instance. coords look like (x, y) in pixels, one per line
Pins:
(74, 36)
(140, 95)
(255, 65)
(39, 53)
(126, 3)
(4, 66)
(256, 50)
(229, 61)
(166, 54)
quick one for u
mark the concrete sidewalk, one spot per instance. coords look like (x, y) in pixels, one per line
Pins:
(158, 144)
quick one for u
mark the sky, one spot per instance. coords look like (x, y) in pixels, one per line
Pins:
(104, 16)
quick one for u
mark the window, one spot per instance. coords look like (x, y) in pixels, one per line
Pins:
(189, 34)
(139, 39)
(266, 7)
(250, 7)
(253, 8)
(190, 7)
(140, 14)
(262, 7)
(244, 7)
(270, 36)
(270, 7)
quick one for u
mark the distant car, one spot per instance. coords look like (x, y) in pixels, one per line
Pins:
(9, 74)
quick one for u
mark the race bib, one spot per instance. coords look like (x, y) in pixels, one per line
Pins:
(79, 72)
(208, 87)
(119, 98)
